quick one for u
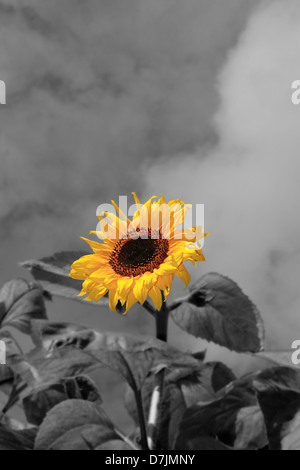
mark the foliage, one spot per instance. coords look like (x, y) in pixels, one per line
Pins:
(202, 404)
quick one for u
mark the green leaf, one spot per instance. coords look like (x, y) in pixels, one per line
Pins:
(200, 443)
(205, 384)
(53, 336)
(44, 397)
(75, 425)
(278, 390)
(6, 379)
(133, 365)
(53, 272)
(115, 444)
(11, 347)
(217, 310)
(20, 302)
(47, 364)
(36, 370)
(224, 419)
(6, 373)
(283, 358)
(16, 440)
(250, 429)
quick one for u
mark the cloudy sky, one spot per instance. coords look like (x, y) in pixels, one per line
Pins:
(190, 99)
(249, 179)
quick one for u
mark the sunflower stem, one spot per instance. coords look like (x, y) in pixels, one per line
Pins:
(161, 318)
(147, 306)
(140, 409)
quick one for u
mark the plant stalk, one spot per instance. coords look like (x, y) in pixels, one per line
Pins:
(161, 318)
(140, 409)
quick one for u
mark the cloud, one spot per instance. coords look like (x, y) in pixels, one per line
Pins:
(94, 90)
(248, 181)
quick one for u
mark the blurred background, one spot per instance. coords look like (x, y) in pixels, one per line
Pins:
(188, 99)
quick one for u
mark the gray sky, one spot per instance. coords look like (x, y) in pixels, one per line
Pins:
(249, 180)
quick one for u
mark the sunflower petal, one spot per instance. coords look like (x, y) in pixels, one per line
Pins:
(131, 300)
(156, 297)
(183, 274)
(124, 286)
(120, 212)
(140, 291)
(112, 300)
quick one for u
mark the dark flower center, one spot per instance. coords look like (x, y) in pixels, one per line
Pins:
(135, 256)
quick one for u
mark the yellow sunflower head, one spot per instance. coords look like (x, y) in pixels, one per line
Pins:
(139, 257)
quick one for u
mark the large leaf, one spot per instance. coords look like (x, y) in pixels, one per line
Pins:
(250, 429)
(224, 419)
(204, 385)
(201, 443)
(77, 425)
(52, 336)
(54, 274)
(45, 396)
(11, 348)
(16, 440)
(20, 302)
(217, 310)
(115, 444)
(278, 390)
(6, 379)
(12, 351)
(47, 364)
(283, 358)
(34, 371)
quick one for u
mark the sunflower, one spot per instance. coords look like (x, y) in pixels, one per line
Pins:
(139, 257)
